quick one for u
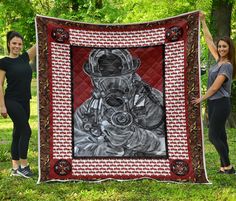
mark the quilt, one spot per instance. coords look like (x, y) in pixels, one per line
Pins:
(115, 100)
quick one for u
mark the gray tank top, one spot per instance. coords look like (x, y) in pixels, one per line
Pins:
(225, 69)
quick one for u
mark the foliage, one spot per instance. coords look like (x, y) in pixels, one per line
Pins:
(223, 187)
(19, 14)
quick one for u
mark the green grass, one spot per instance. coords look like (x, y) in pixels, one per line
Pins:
(223, 187)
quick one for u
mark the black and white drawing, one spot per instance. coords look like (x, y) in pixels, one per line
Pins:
(124, 117)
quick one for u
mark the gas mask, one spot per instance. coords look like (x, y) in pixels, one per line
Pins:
(119, 94)
(115, 93)
(112, 72)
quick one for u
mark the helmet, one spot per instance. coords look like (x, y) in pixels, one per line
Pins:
(110, 62)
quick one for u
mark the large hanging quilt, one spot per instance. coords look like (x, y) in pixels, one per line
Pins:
(115, 100)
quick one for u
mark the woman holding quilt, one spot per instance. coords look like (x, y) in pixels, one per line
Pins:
(15, 102)
(218, 94)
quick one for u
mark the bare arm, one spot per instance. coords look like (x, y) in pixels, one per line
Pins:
(208, 37)
(3, 109)
(32, 52)
(212, 90)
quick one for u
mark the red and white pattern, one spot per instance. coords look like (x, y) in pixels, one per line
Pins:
(117, 39)
(61, 101)
(120, 167)
(175, 99)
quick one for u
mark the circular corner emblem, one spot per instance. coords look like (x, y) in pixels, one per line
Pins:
(174, 33)
(179, 167)
(60, 35)
(62, 167)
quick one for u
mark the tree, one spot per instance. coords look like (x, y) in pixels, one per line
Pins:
(221, 17)
(17, 15)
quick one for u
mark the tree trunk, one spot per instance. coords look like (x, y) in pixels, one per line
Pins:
(98, 4)
(75, 5)
(221, 18)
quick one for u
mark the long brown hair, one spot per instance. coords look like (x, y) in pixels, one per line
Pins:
(231, 55)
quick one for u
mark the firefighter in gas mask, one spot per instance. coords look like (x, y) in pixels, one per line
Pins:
(124, 116)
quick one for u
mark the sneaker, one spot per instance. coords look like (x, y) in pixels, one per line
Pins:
(14, 173)
(221, 172)
(25, 172)
(230, 171)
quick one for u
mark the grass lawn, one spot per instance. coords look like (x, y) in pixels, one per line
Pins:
(223, 187)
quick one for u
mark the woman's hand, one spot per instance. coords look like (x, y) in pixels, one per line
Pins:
(208, 37)
(3, 111)
(196, 101)
(202, 16)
